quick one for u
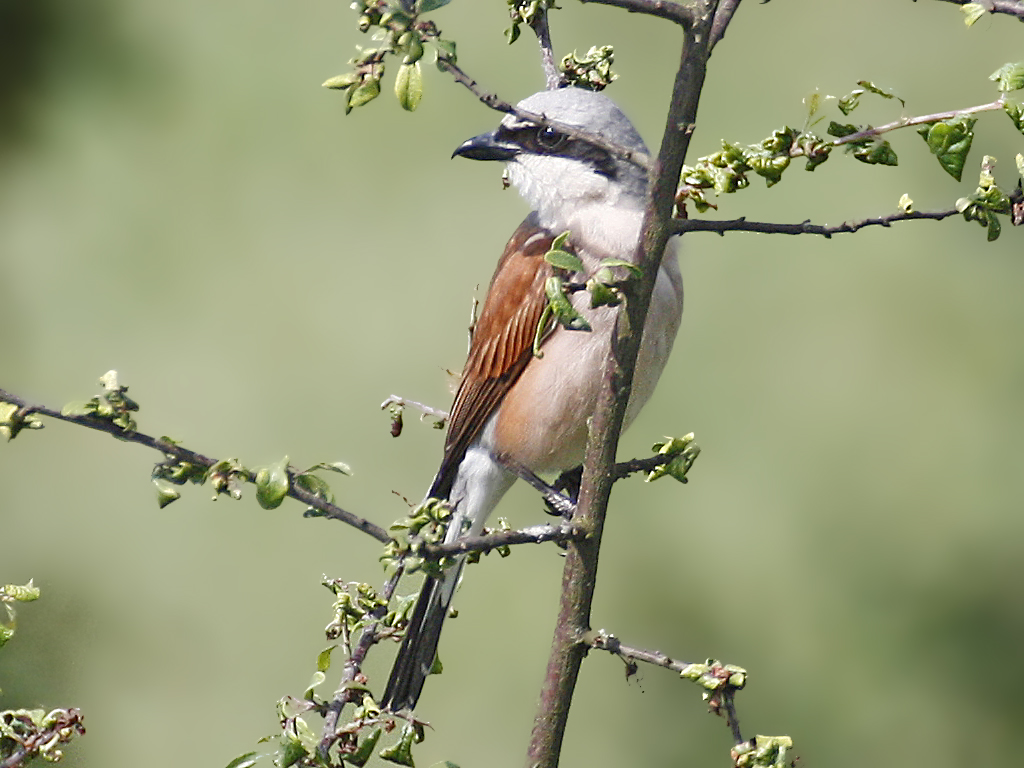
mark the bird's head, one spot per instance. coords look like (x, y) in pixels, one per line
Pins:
(556, 172)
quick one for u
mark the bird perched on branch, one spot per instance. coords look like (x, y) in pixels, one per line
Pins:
(521, 407)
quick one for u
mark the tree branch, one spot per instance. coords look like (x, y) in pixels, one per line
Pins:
(995, 6)
(681, 226)
(580, 572)
(495, 102)
(721, 681)
(168, 448)
(723, 16)
(537, 534)
(904, 122)
(346, 693)
(552, 77)
(681, 14)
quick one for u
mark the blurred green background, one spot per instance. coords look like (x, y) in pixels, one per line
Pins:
(180, 200)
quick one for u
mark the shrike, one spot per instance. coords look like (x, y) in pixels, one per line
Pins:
(514, 407)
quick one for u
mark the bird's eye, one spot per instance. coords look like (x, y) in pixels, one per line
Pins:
(548, 138)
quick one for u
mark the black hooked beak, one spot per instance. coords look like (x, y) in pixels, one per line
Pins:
(486, 146)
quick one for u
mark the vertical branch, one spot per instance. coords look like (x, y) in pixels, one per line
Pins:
(539, 25)
(723, 15)
(579, 575)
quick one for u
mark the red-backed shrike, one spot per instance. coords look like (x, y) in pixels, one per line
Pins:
(515, 408)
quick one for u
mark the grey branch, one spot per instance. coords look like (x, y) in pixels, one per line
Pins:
(1009, 7)
(552, 77)
(722, 698)
(426, 410)
(537, 534)
(905, 122)
(324, 507)
(353, 668)
(663, 9)
(495, 102)
(726, 9)
(681, 226)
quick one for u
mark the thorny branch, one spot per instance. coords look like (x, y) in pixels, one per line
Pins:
(681, 226)
(552, 77)
(346, 692)
(905, 122)
(721, 681)
(663, 9)
(326, 508)
(724, 14)
(495, 102)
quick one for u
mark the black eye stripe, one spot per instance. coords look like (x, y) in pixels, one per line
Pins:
(545, 140)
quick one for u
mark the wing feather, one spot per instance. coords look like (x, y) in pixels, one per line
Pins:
(502, 343)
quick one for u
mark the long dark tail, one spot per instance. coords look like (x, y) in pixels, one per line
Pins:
(419, 648)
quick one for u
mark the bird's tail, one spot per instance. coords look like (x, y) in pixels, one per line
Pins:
(416, 657)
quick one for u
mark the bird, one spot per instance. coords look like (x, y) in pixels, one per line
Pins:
(520, 407)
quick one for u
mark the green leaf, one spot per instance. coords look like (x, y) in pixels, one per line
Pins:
(869, 86)
(318, 677)
(79, 408)
(401, 753)
(839, 130)
(876, 153)
(563, 310)
(426, 6)
(445, 50)
(409, 86)
(1016, 113)
(20, 593)
(364, 93)
(333, 466)
(165, 494)
(364, 750)
(559, 259)
(813, 103)
(341, 82)
(558, 244)
(850, 101)
(1010, 77)
(972, 12)
(602, 295)
(247, 760)
(634, 270)
(323, 660)
(272, 484)
(950, 142)
(315, 485)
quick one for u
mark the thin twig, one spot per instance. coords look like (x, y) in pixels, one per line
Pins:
(495, 102)
(537, 534)
(353, 666)
(904, 122)
(680, 226)
(552, 77)
(663, 9)
(603, 641)
(995, 6)
(724, 14)
(15, 759)
(426, 410)
(179, 452)
(729, 702)
(712, 675)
